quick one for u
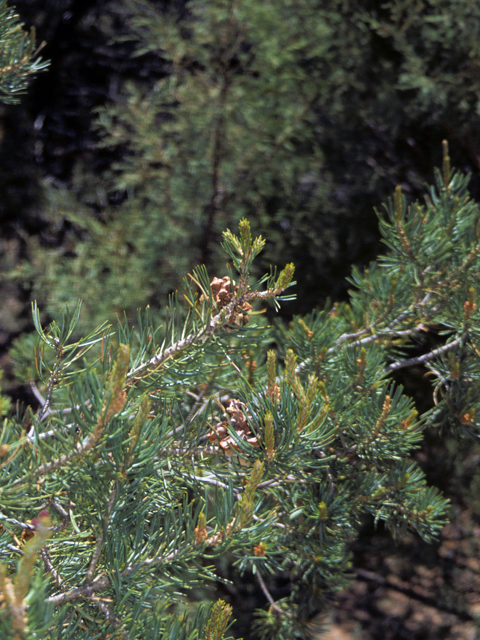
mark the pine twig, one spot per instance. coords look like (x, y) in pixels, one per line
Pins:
(103, 581)
(205, 333)
(278, 610)
(425, 358)
(47, 561)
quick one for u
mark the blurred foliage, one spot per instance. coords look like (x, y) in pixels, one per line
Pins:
(300, 115)
(5, 404)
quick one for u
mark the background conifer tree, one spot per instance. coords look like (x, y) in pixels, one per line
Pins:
(324, 108)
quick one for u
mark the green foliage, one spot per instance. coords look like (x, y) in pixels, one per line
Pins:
(159, 448)
(18, 56)
(112, 257)
(299, 115)
(438, 45)
(5, 404)
(163, 445)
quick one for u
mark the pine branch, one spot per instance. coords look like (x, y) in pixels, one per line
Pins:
(200, 337)
(420, 360)
(49, 568)
(102, 581)
(278, 610)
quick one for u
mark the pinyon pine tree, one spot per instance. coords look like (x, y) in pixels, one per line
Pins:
(160, 448)
(157, 449)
